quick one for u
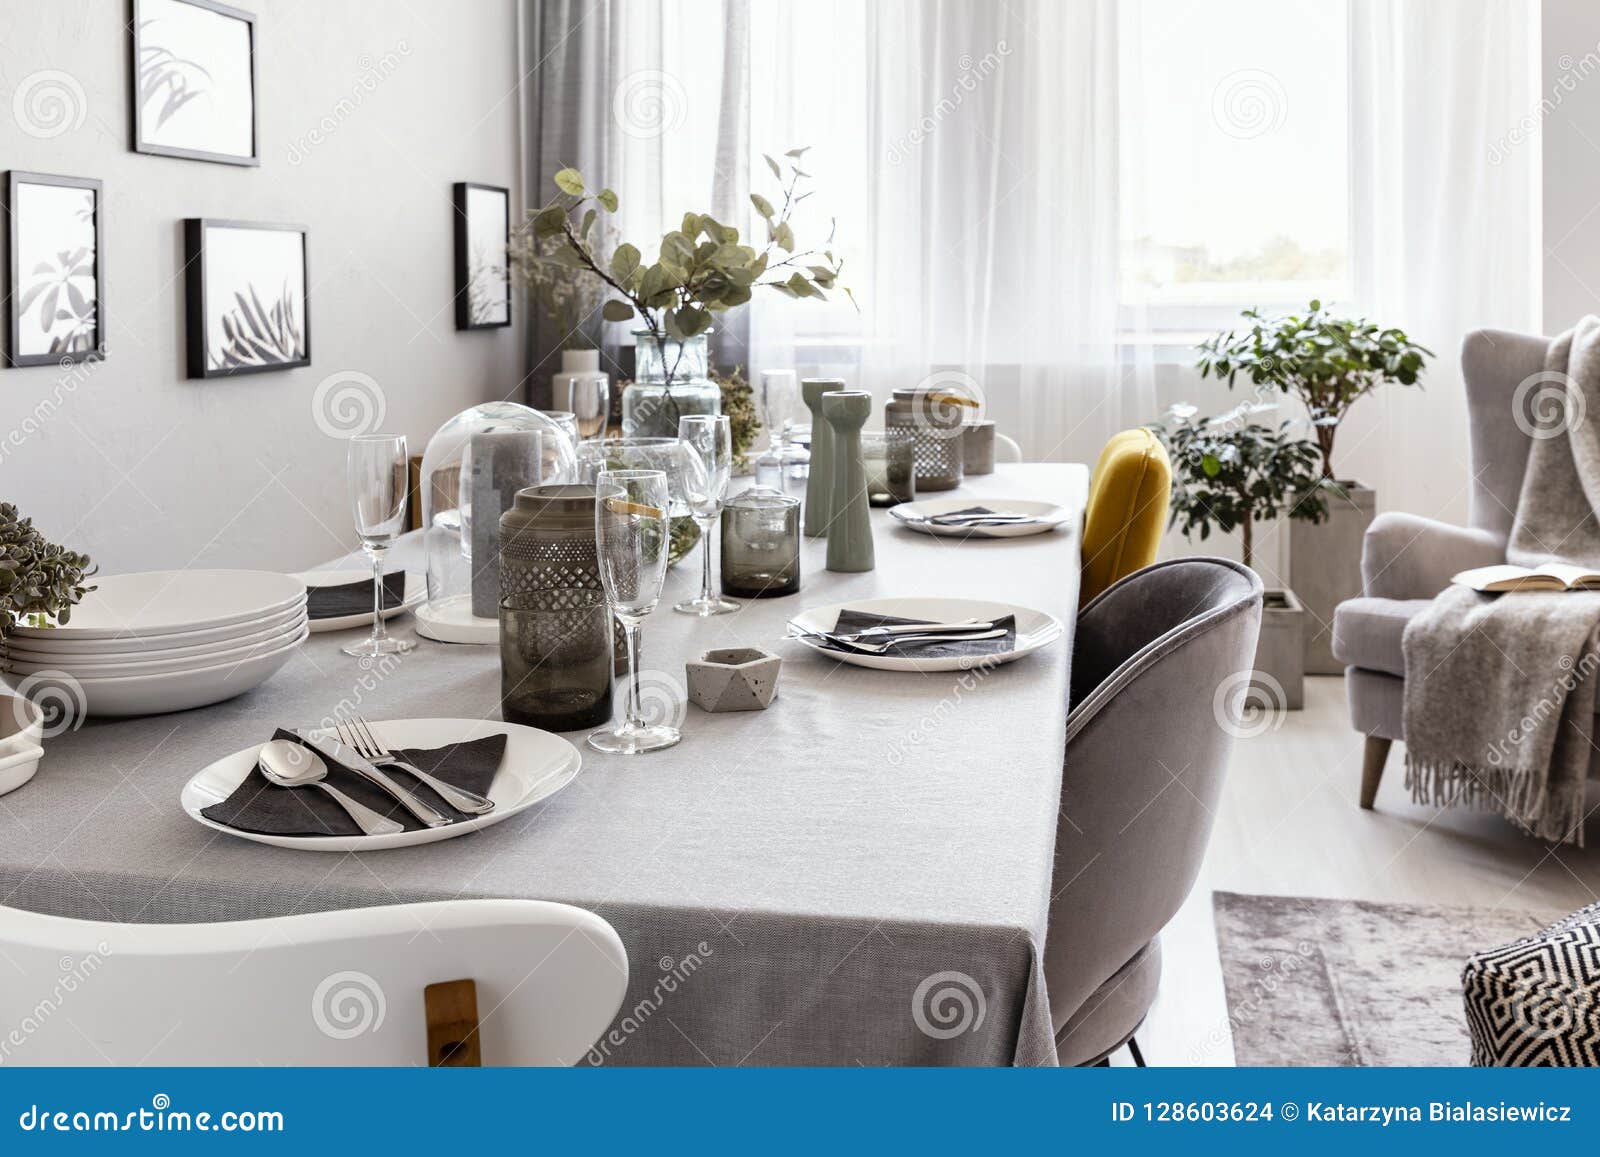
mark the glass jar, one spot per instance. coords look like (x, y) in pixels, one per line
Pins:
(890, 465)
(933, 416)
(647, 409)
(977, 448)
(761, 544)
(556, 659)
(547, 544)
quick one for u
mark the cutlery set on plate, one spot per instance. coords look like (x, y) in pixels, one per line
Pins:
(288, 763)
(877, 640)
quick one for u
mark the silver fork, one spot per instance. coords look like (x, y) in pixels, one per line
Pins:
(360, 736)
(880, 648)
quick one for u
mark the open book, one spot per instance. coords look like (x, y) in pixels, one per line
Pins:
(1551, 576)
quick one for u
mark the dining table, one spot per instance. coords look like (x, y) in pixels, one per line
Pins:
(860, 873)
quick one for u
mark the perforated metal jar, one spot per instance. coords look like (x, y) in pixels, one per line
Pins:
(547, 545)
(934, 423)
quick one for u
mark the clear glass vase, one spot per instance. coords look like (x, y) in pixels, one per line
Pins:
(648, 410)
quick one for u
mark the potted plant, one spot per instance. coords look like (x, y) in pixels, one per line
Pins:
(1229, 473)
(703, 268)
(1330, 363)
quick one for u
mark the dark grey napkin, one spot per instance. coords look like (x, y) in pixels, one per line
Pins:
(259, 806)
(341, 599)
(860, 620)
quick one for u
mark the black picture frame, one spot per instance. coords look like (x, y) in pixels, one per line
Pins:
(14, 285)
(458, 200)
(140, 145)
(198, 284)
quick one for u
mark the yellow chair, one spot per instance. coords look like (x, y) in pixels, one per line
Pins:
(1127, 511)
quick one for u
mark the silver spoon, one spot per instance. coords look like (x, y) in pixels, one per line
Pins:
(290, 765)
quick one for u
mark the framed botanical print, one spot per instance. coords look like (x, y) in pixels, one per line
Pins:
(483, 274)
(194, 81)
(248, 297)
(56, 290)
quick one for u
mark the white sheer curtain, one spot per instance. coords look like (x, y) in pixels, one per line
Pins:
(1445, 221)
(967, 150)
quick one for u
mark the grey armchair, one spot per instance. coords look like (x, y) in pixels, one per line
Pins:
(1407, 559)
(1147, 748)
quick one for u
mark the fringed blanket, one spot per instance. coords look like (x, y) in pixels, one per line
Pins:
(1500, 689)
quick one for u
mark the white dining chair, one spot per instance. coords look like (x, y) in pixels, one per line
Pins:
(461, 982)
(1006, 448)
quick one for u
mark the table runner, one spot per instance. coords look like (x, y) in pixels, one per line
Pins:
(859, 874)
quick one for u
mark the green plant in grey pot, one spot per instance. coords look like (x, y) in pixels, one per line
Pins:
(1329, 362)
(38, 579)
(1229, 473)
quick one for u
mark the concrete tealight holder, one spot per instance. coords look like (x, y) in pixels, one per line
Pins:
(733, 679)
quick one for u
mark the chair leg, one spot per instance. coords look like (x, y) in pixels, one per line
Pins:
(1133, 1051)
(1372, 761)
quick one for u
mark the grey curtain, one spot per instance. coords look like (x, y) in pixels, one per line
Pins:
(572, 65)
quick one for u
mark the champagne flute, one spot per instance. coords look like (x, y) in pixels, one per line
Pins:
(776, 399)
(707, 467)
(376, 467)
(631, 541)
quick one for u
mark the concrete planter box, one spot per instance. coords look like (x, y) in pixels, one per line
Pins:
(733, 679)
(1325, 568)
(1280, 653)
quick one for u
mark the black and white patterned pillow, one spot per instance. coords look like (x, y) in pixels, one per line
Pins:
(1536, 1002)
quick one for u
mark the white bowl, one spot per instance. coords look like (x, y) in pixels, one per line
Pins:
(21, 723)
(18, 767)
(164, 602)
(157, 662)
(160, 693)
(62, 645)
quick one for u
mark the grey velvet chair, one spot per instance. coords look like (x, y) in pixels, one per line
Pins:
(1407, 559)
(1148, 743)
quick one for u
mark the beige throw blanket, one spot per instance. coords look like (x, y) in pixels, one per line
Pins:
(1500, 689)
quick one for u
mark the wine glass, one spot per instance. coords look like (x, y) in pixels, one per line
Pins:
(376, 467)
(631, 541)
(776, 399)
(588, 397)
(709, 438)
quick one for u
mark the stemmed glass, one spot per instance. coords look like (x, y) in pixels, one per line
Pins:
(588, 396)
(376, 469)
(776, 399)
(705, 484)
(631, 541)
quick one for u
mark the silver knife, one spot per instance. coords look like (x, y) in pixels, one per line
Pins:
(347, 756)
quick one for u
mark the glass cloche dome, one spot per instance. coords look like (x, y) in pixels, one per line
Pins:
(471, 472)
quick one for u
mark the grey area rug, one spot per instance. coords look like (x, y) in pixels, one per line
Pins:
(1344, 982)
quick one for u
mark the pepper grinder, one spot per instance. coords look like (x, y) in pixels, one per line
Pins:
(849, 527)
(819, 485)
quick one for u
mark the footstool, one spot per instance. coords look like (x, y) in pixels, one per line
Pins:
(1536, 1002)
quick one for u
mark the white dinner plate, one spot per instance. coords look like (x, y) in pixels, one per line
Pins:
(536, 765)
(155, 663)
(1035, 629)
(170, 646)
(164, 602)
(158, 694)
(1049, 516)
(416, 591)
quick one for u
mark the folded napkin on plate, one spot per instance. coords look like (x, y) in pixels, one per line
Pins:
(850, 621)
(341, 599)
(259, 806)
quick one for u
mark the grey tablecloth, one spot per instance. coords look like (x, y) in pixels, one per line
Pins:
(859, 874)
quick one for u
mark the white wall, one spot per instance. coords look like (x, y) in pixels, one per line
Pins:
(1569, 122)
(145, 469)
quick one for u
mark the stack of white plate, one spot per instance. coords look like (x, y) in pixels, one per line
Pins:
(141, 644)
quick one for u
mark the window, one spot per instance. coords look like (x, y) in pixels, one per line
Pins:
(1233, 152)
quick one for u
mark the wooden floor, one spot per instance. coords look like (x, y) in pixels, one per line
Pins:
(1289, 825)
